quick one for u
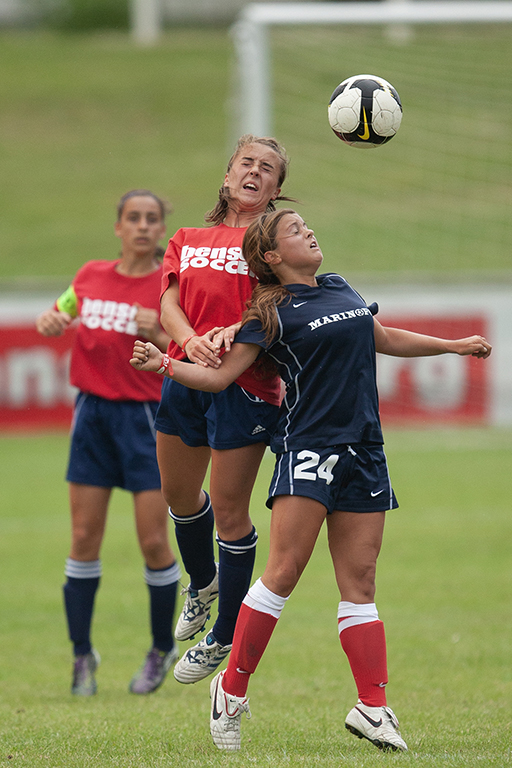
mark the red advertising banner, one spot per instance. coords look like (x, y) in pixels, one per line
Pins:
(34, 389)
(443, 389)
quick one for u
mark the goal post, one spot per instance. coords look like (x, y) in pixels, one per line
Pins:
(251, 31)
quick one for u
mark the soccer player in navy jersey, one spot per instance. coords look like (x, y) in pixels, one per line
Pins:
(330, 463)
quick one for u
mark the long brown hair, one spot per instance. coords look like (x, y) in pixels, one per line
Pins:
(261, 236)
(219, 212)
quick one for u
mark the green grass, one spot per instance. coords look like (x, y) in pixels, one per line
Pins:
(86, 117)
(444, 592)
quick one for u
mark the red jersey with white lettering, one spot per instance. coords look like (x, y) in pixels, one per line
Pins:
(105, 301)
(215, 284)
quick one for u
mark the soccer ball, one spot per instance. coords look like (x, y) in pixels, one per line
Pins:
(365, 111)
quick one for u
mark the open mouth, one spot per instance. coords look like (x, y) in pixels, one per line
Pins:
(250, 185)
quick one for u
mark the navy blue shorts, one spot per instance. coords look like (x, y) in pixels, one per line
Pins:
(113, 444)
(349, 478)
(232, 418)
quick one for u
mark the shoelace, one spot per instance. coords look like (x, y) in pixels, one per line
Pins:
(232, 723)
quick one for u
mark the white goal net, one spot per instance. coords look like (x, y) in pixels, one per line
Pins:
(438, 197)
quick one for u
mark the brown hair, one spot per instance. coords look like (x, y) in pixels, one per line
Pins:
(269, 293)
(219, 212)
(165, 208)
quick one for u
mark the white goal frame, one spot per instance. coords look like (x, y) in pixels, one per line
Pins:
(251, 38)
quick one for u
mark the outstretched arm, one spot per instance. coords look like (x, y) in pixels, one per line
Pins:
(400, 343)
(147, 357)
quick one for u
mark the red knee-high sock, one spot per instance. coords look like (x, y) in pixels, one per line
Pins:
(252, 633)
(258, 616)
(365, 646)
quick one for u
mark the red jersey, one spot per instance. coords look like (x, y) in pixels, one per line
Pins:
(215, 284)
(104, 300)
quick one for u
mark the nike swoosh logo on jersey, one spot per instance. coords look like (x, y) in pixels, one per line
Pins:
(375, 723)
(366, 133)
(216, 714)
(376, 493)
(300, 305)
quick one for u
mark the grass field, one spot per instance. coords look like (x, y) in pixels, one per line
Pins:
(83, 119)
(444, 592)
(86, 117)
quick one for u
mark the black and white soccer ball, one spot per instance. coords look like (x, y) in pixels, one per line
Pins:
(365, 111)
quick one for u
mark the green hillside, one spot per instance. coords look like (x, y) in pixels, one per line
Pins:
(86, 117)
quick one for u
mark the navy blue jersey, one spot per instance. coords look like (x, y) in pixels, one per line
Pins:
(325, 353)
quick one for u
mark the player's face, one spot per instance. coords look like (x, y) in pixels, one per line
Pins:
(140, 226)
(296, 244)
(253, 178)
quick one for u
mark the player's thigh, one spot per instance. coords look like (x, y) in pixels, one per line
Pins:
(232, 478)
(355, 540)
(182, 472)
(295, 524)
(151, 521)
(89, 505)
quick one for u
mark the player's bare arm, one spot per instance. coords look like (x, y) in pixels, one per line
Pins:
(148, 323)
(398, 342)
(226, 336)
(147, 357)
(52, 322)
(198, 349)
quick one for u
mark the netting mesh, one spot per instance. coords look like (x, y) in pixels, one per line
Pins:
(438, 196)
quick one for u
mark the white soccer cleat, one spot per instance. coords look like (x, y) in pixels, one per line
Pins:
(226, 714)
(196, 610)
(377, 724)
(200, 660)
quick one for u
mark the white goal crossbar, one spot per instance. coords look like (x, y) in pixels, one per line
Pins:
(250, 34)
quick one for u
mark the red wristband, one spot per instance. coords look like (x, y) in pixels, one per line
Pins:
(187, 341)
(166, 365)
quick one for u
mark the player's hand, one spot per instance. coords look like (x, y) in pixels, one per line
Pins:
(52, 322)
(203, 350)
(148, 322)
(146, 357)
(225, 337)
(476, 346)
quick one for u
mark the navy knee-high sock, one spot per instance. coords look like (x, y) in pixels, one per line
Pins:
(162, 600)
(83, 579)
(236, 563)
(194, 535)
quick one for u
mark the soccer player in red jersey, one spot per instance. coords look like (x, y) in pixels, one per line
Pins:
(206, 284)
(113, 436)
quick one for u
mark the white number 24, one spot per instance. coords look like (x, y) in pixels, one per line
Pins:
(312, 459)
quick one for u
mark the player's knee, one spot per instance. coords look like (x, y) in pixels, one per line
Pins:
(283, 577)
(232, 523)
(180, 500)
(362, 582)
(155, 548)
(85, 542)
